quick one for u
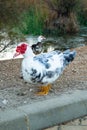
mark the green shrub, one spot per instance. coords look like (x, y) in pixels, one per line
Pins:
(82, 17)
(31, 22)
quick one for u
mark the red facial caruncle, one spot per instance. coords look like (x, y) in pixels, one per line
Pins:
(20, 49)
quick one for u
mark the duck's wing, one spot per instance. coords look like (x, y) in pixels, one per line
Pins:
(55, 60)
(47, 67)
(47, 59)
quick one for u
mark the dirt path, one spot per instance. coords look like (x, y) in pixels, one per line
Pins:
(15, 92)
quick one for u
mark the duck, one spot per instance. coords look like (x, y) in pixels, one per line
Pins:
(45, 68)
(37, 48)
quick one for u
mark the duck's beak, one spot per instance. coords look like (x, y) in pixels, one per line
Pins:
(16, 54)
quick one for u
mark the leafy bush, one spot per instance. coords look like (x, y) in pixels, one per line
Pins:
(82, 17)
(31, 22)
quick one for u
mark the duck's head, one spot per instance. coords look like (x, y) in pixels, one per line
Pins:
(21, 49)
(40, 38)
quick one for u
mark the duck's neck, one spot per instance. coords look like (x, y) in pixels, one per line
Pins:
(29, 53)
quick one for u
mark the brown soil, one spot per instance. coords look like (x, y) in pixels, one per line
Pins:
(16, 92)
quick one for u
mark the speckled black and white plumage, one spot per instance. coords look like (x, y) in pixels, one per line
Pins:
(37, 48)
(45, 68)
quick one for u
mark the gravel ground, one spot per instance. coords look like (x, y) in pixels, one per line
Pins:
(15, 92)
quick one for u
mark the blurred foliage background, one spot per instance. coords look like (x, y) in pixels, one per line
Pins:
(43, 16)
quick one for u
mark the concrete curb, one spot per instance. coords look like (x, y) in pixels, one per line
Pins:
(47, 113)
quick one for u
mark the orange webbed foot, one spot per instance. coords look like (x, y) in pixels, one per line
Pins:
(44, 90)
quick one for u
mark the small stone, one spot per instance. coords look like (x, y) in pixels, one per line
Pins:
(5, 101)
(22, 93)
(25, 102)
(31, 89)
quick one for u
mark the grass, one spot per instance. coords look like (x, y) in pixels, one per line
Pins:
(31, 22)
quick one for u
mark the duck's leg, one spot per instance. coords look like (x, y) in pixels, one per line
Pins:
(44, 90)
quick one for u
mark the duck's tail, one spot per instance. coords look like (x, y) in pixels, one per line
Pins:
(69, 56)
